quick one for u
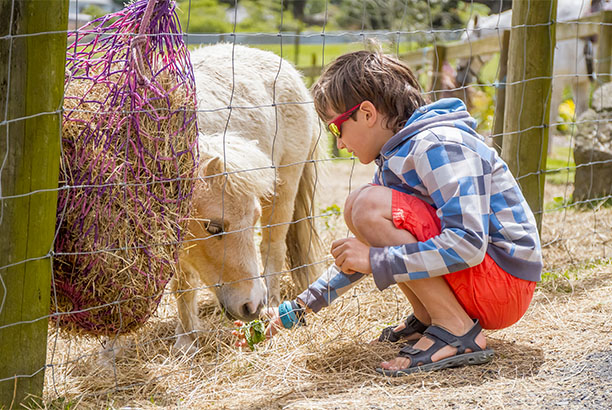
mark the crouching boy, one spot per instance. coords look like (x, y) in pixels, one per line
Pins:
(444, 219)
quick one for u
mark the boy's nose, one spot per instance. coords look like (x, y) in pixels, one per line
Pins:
(339, 143)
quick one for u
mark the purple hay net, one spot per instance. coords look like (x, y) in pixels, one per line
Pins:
(129, 155)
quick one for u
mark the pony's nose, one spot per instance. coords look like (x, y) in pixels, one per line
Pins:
(251, 309)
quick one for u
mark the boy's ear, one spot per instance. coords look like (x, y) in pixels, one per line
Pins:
(370, 112)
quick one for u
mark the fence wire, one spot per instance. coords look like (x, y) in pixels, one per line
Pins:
(142, 369)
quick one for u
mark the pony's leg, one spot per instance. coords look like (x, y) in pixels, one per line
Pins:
(277, 212)
(182, 286)
(273, 248)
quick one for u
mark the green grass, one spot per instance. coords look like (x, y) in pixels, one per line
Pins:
(561, 164)
(561, 280)
(312, 54)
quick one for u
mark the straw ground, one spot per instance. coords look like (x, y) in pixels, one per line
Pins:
(558, 356)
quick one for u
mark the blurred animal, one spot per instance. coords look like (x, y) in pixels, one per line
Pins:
(450, 87)
(259, 133)
(573, 64)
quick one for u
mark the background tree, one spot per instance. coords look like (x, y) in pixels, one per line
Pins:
(204, 16)
(398, 14)
(496, 6)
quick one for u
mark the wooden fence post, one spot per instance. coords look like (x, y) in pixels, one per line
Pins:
(528, 91)
(500, 93)
(296, 45)
(439, 57)
(32, 77)
(315, 68)
(604, 48)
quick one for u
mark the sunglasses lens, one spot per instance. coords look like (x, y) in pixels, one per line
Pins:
(333, 128)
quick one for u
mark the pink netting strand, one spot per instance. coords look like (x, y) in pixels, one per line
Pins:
(129, 154)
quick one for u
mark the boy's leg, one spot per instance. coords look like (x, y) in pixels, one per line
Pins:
(370, 218)
(367, 213)
(373, 216)
(417, 307)
(445, 311)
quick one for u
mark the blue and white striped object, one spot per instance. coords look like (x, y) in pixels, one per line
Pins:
(328, 287)
(439, 158)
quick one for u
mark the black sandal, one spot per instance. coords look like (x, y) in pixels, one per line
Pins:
(420, 360)
(413, 325)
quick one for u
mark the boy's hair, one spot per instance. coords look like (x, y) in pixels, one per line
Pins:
(368, 75)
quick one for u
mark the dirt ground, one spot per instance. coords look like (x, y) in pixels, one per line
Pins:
(559, 356)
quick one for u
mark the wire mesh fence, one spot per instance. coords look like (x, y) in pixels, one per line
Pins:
(245, 221)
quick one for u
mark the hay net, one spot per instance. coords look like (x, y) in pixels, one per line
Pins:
(129, 154)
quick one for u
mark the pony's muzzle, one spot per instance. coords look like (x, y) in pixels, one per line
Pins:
(243, 302)
(251, 309)
(247, 311)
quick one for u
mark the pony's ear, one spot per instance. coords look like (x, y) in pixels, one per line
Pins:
(211, 166)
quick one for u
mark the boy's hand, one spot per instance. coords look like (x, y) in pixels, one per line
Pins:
(270, 315)
(351, 255)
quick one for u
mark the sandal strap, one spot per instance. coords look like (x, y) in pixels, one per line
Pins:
(420, 357)
(412, 325)
(441, 338)
(415, 324)
(467, 341)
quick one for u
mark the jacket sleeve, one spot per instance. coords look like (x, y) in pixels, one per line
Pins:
(332, 284)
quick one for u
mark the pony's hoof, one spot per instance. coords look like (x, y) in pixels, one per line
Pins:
(111, 351)
(185, 345)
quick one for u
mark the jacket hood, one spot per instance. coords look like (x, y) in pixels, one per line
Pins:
(444, 112)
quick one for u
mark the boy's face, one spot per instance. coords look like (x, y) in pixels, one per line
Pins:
(362, 133)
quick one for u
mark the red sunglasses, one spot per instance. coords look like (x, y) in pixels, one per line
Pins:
(335, 124)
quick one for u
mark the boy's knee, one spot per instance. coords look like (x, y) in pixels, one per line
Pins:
(350, 201)
(371, 205)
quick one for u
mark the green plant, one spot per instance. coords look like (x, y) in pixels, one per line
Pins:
(254, 332)
(558, 203)
(561, 280)
(483, 108)
(558, 281)
(555, 275)
(332, 210)
(560, 166)
(61, 403)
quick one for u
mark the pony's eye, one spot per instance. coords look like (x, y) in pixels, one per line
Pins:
(214, 228)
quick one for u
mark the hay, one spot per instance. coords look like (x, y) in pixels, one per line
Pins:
(558, 356)
(129, 155)
(574, 234)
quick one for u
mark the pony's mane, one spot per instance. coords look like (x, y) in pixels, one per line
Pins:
(249, 170)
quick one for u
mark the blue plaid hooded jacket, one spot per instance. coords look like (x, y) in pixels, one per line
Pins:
(439, 158)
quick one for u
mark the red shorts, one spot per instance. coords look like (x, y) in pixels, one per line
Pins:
(486, 292)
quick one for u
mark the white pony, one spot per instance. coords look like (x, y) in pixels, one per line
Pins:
(259, 133)
(573, 58)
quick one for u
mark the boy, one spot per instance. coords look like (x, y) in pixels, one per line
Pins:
(444, 218)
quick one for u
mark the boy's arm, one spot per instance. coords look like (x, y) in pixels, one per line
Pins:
(458, 181)
(328, 287)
